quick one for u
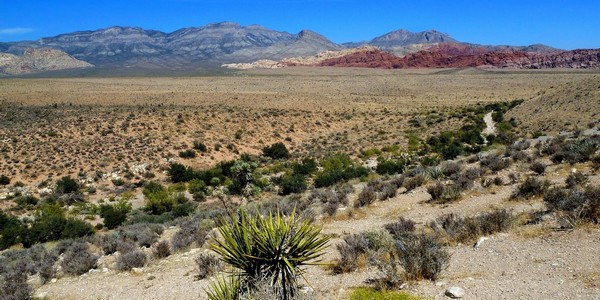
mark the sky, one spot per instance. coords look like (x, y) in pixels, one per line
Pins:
(559, 23)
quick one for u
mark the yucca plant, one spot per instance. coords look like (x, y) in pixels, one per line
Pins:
(272, 248)
(224, 288)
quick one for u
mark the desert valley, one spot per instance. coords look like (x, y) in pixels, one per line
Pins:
(232, 162)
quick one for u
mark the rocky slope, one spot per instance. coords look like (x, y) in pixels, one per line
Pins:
(567, 107)
(127, 47)
(38, 60)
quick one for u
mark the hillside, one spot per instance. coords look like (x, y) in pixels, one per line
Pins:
(38, 60)
(566, 107)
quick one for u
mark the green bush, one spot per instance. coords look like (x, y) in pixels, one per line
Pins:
(51, 224)
(276, 151)
(4, 180)
(307, 167)
(66, 185)
(337, 168)
(390, 166)
(293, 183)
(187, 154)
(11, 230)
(270, 248)
(115, 215)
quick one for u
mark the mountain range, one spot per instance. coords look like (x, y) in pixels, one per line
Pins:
(209, 46)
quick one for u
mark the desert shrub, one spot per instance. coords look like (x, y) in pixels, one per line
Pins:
(66, 185)
(78, 259)
(387, 190)
(186, 154)
(11, 230)
(390, 166)
(130, 260)
(306, 167)
(494, 163)
(108, 243)
(331, 208)
(538, 167)
(450, 168)
(465, 229)
(162, 249)
(13, 282)
(519, 156)
(558, 198)
(576, 206)
(575, 179)
(595, 162)
(27, 202)
(473, 173)
(366, 197)
(352, 253)
(51, 224)
(412, 183)
(421, 256)
(125, 245)
(397, 181)
(143, 234)
(401, 227)
(189, 232)
(276, 151)
(4, 180)
(337, 168)
(498, 181)
(208, 265)
(199, 146)
(436, 191)
(270, 248)
(46, 269)
(530, 187)
(115, 215)
(293, 183)
(177, 173)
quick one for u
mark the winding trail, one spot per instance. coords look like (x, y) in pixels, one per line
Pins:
(490, 125)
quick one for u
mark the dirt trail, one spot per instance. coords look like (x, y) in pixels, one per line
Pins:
(490, 125)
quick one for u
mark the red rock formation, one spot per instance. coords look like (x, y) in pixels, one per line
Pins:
(452, 55)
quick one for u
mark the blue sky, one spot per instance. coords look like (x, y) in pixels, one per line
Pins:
(559, 23)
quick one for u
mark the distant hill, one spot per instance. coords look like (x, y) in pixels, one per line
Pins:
(455, 55)
(38, 60)
(188, 49)
(572, 105)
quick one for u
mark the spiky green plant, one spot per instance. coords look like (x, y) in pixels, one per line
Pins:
(273, 248)
(224, 288)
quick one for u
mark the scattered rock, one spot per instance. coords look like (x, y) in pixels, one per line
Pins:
(455, 292)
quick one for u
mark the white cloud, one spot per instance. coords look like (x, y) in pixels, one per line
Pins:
(15, 30)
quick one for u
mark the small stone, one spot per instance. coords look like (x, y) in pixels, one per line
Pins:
(104, 270)
(137, 270)
(41, 295)
(455, 292)
(53, 280)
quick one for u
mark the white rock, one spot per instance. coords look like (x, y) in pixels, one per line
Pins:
(53, 280)
(41, 295)
(137, 270)
(455, 292)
